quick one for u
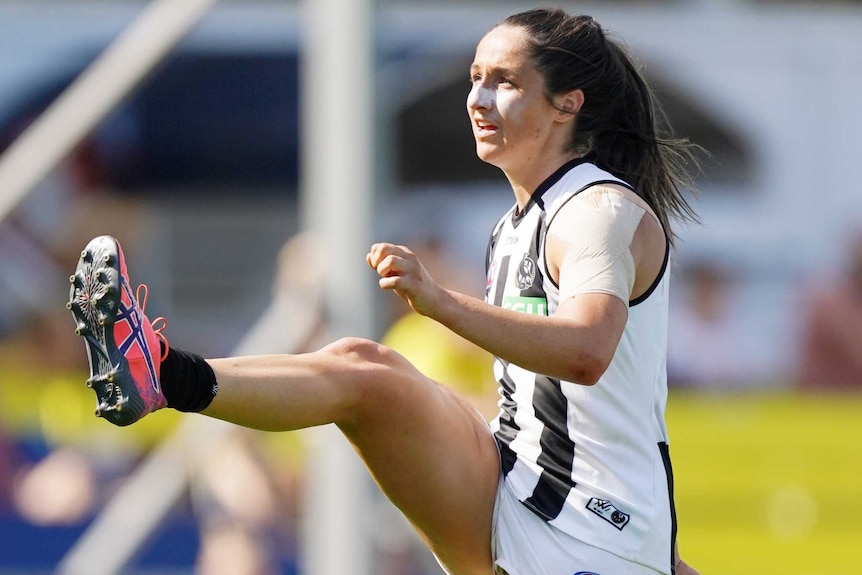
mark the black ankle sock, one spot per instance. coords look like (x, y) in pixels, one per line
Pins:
(187, 380)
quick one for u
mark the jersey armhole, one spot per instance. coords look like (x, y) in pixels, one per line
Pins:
(642, 298)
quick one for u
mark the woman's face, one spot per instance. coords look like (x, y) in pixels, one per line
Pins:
(514, 124)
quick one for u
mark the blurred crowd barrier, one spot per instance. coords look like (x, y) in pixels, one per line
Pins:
(768, 483)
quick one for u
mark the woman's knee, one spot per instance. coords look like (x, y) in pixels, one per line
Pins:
(375, 377)
(362, 354)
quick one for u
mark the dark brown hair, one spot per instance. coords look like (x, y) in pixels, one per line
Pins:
(620, 127)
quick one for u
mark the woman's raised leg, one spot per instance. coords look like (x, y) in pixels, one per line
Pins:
(428, 449)
(431, 453)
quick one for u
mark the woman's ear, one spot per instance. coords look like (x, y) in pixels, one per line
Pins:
(569, 104)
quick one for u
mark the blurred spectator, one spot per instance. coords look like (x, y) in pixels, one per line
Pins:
(247, 502)
(708, 345)
(59, 490)
(831, 336)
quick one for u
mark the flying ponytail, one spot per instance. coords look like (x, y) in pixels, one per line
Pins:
(621, 126)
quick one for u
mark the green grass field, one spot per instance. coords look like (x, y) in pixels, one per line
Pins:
(768, 483)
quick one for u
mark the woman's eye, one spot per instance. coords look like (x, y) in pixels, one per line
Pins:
(477, 78)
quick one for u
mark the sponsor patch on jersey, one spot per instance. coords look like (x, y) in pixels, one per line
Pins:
(492, 273)
(531, 305)
(608, 511)
(525, 273)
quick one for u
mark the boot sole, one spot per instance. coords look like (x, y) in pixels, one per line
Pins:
(94, 300)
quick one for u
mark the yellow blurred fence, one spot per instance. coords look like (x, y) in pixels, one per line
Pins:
(768, 483)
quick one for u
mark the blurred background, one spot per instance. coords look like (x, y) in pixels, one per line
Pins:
(198, 172)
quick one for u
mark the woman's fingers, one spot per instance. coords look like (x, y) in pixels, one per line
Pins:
(389, 259)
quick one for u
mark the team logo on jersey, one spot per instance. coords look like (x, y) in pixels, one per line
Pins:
(608, 511)
(525, 273)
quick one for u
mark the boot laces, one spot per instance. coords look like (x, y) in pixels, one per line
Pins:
(159, 324)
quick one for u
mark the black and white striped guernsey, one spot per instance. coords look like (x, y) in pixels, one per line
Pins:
(591, 460)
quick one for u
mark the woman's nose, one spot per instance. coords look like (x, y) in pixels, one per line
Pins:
(480, 97)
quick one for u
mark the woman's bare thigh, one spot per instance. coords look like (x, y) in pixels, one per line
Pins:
(429, 450)
(434, 456)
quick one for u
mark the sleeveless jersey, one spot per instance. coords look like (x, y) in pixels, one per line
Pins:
(591, 460)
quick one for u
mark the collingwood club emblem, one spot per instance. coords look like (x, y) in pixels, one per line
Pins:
(525, 273)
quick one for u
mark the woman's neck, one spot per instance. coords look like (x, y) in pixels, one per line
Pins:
(524, 185)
